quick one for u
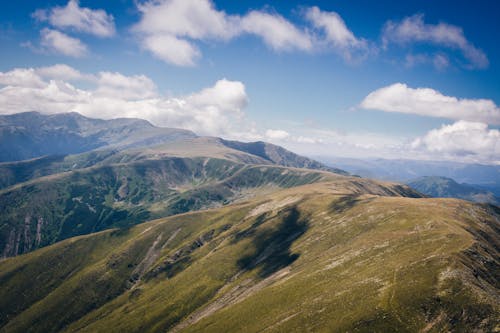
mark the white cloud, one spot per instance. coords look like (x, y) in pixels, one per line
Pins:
(172, 50)
(276, 31)
(168, 27)
(58, 42)
(21, 77)
(471, 141)
(195, 19)
(219, 110)
(216, 110)
(277, 134)
(171, 29)
(127, 87)
(225, 95)
(413, 29)
(399, 97)
(306, 139)
(439, 60)
(61, 72)
(462, 141)
(96, 22)
(336, 33)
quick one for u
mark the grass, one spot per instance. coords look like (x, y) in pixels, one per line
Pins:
(120, 195)
(331, 259)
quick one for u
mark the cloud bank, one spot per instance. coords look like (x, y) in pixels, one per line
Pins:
(469, 141)
(218, 110)
(215, 110)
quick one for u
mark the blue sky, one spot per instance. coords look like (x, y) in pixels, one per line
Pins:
(333, 78)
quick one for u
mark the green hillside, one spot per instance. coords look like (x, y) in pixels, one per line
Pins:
(51, 208)
(344, 255)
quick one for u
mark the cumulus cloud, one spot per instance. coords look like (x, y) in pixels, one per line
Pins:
(276, 31)
(463, 139)
(336, 33)
(61, 72)
(171, 49)
(413, 29)
(127, 87)
(399, 97)
(92, 21)
(171, 29)
(21, 77)
(57, 42)
(216, 110)
(277, 134)
(194, 19)
(167, 28)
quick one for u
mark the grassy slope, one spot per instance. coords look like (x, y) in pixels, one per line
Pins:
(12, 173)
(117, 195)
(347, 255)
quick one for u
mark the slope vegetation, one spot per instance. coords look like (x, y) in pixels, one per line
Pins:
(47, 209)
(344, 254)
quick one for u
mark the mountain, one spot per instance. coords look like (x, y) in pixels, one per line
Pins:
(448, 188)
(402, 170)
(146, 229)
(340, 255)
(32, 134)
(48, 209)
(279, 155)
(129, 178)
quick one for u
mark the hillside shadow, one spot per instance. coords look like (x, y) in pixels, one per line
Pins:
(344, 204)
(250, 232)
(272, 247)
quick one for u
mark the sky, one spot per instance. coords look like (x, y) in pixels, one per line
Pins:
(387, 79)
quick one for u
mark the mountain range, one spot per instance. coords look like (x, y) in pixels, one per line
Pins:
(404, 170)
(443, 187)
(121, 226)
(122, 172)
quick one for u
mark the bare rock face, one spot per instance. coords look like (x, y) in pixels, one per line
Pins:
(38, 237)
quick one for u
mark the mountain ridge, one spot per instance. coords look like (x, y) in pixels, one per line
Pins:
(125, 182)
(33, 134)
(444, 187)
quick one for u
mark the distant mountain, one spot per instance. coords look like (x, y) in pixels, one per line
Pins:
(442, 187)
(32, 134)
(279, 155)
(401, 170)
